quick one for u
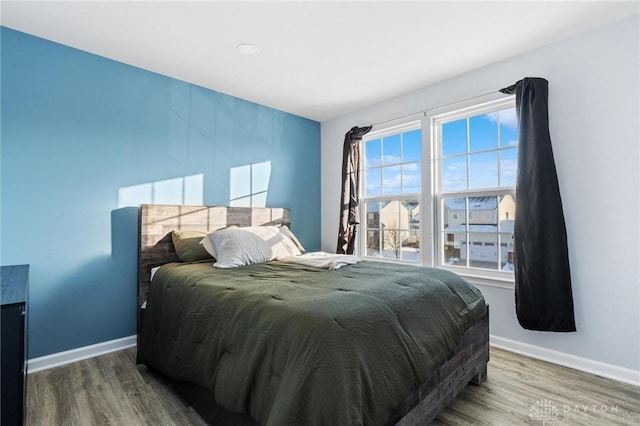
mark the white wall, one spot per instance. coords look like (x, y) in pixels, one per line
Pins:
(594, 123)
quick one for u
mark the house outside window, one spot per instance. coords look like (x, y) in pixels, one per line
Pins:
(392, 192)
(476, 163)
(441, 191)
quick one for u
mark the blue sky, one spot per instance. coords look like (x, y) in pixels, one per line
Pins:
(492, 156)
(388, 176)
(496, 131)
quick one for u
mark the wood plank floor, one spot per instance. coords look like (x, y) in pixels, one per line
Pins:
(112, 390)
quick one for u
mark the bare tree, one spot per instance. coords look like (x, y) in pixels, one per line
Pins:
(373, 242)
(393, 238)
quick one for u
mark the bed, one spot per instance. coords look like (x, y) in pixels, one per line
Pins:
(287, 344)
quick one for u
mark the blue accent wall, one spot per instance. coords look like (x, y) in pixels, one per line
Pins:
(85, 139)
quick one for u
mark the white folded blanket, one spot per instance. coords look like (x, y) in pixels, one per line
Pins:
(320, 259)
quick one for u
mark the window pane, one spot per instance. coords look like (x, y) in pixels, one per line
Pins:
(478, 153)
(507, 212)
(480, 227)
(391, 150)
(483, 171)
(392, 242)
(508, 127)
(454, 214)
(506, 252)
(483, 250)
(372, 183)
(373, 243)
(405, 211)
(454, 174)
(411, 178)
(483, 132)
(454, 248)
(483, 214)
(373, 215)
(389, 214)
(454, 137)
(411, 146)
(413, 209)
(508, 167)
(391, 180)
(372, 153)
(411, 246)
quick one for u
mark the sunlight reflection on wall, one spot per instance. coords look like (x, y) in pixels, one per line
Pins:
(248, 185)
(186, 190)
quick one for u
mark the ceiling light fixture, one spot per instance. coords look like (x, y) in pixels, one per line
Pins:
(247, 49)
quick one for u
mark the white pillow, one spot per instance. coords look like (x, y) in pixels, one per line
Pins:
(233, 246)
(208, 245)
(286, 231)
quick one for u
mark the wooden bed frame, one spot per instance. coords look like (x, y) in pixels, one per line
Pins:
(468, 364)
(158, 220)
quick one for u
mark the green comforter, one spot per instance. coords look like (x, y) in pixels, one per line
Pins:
(289, 344)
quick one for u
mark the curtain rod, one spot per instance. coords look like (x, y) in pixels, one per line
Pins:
(438, 107)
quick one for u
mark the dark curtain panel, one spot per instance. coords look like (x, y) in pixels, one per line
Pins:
(543, 283)
(350, 198)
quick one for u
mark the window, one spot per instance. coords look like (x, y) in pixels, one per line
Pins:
(392, 192)
(463, 220)
(476, 158)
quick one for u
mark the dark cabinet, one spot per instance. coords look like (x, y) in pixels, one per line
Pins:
(14, 283)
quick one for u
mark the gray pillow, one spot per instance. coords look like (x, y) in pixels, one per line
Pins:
(188, 247)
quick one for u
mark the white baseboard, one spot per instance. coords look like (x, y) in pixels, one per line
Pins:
(61, 358)
(621, 374)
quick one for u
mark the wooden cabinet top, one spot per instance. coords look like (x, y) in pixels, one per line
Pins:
(14, 281)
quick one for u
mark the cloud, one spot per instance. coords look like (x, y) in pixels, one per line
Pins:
(392, 183)
(507, 118)
(411, 183)
(372, 162)
(483, 163)
(454, 176)
(391, 159)
(456, 167)
(508, 172)
(410, 167)
(411, 179)
(451, 181)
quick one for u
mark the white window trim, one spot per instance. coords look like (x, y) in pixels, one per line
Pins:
(407, 124)
(429, 198)
(392, 130)
(477, 275)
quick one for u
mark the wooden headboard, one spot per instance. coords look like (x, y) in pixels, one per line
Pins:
(157, 221)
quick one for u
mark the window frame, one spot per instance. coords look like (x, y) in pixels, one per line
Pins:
(431, 235)
(398, 128)
(481, 275)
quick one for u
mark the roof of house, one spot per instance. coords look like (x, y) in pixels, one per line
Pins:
(506, 226)
(475, 203)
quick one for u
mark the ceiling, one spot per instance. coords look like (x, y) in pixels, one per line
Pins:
(316, 59)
